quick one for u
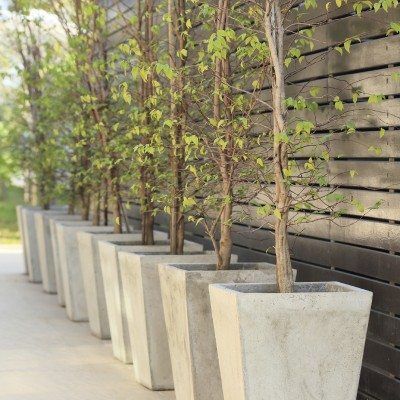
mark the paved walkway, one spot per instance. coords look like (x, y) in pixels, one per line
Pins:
(44, 356)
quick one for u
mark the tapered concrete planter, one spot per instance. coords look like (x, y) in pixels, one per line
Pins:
(31, 244)
(93, 277)
(22, 231)
(114, 295)
(299, 346)
(71, 271)
(151, 357)
(45, 248)
(189, 322)
(52, 220)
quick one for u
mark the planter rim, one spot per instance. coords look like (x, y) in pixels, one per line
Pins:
(61, 214)
(69, 223)
(109, 237)
(162, 244)
(209, 268)
(338, 289)
(132, 247)
(130, 252)
(87, 228)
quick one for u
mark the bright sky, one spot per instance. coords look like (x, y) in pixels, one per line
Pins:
(3, 4)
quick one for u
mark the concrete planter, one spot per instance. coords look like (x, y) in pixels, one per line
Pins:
(114, 295)
(52, 220)
(93, 277)
(45, 248)
(189, 322)
(295, 346)
(71, 271)
(151, 357)
(31, 245)
(21, 229)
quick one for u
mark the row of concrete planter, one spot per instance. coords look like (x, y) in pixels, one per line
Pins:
(207, 334)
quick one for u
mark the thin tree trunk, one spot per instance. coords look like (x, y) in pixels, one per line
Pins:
(177, 42)
(96, 210)
(147, 208)
(85, 212)
(105, 203)
(72, 197)
(275, 35)
(222, 74)
(145, 33)
(115, 192)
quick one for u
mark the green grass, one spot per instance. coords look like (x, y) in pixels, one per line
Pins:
(8, 217)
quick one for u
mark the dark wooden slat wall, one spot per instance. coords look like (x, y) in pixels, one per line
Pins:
(363, 252)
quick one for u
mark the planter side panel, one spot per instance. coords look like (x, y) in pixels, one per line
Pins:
(21, 228)
(57, 263)
(197, 352)
(227, 335)
(296, 346)
(75, 300)
(34, 273)
(45, 253)
(173, 288)
(93, 283)
(115, 302)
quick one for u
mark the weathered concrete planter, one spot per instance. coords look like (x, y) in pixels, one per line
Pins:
(22, 231)
(151, 357)
(52, 220)
(114, 295)
(31, 245)
(298, 346)
(71, 271)
(93, 277)
(189, 322)
(45, 248)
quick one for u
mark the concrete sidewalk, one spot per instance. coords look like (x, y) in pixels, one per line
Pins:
(44, 356)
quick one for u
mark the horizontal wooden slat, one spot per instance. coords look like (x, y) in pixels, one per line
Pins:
(368, 25)
(379, 385)
(363, 396)
(298, 17)
(362, 115)
(384, 327)
(385, 174)
(362, 261)
(376, 204)
(366, 55)
(377, 82)
(366, 262)
(386, 297)
(367, 233)
(382, 356)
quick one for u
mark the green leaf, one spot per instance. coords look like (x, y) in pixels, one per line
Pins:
(188, 202)
(277, 214)
(314, 91)
(260, 162)
(353, 173)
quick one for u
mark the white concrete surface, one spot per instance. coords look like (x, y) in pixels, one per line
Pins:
(189, 323)
(31, 246)
(44, 356)
(22, 234)
(89, 253)
(151, 356)
(294, 346)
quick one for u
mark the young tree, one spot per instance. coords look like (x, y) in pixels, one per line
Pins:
(141, 91)
(85, 24)
(221, 142)
(34, 130)
(302, 189)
